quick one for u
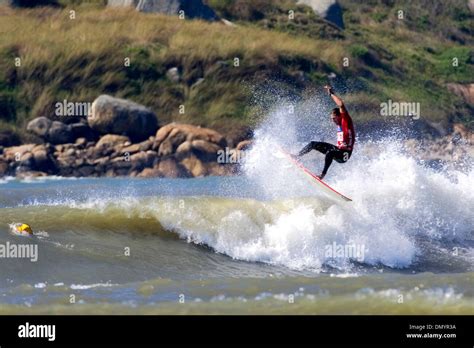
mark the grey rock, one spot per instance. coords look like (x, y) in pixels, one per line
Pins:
(173, 74)
(330, 10)
(122, 3)
(54, 132)
(119, 116)
(60, 133)
(39, 126)
(82, 130)
(191, 8)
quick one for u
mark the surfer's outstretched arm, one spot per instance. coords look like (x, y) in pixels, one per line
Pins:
(335, 98)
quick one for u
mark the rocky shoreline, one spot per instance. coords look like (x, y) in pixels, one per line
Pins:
(456, 148)
(121, 138)
(92, 147)
(176, 151)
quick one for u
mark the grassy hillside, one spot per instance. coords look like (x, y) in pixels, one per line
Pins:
(78, 59)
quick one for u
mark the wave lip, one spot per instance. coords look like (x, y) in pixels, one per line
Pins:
(302, 233)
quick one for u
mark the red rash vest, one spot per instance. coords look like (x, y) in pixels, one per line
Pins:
(345, 132)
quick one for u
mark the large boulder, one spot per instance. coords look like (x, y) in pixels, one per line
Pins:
(123, 117)
(82, 130)
(171, 136)
(187, 143)
(60, 133)
(330, 10)
(39, 126)
(191, 8)
(57, 132)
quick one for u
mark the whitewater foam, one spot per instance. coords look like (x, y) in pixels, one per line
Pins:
(397, 202)
(400, 207)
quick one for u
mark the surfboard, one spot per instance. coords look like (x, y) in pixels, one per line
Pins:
(314, 180)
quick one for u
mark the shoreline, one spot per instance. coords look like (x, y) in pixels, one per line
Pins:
(179, 151)
(176, 151)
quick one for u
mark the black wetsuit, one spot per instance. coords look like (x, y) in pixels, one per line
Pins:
(331, 151)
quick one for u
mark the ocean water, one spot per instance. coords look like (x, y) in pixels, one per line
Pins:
(224, 245)
(263, 242)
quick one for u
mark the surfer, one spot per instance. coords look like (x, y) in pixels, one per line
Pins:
(21, 229)
(345, 136)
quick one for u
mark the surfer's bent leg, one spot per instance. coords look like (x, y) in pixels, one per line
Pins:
(335, 154)
(328, 160)
(318, 146)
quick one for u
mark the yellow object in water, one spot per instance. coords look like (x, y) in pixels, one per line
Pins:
(24, 229)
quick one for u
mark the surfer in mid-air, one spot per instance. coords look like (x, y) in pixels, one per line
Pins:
(345, 136)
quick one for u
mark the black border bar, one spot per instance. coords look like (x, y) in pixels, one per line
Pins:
(244, 330)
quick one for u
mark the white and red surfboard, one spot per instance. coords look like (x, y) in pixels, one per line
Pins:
(320, 185)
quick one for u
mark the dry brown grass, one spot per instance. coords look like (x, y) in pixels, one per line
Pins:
(43, 34)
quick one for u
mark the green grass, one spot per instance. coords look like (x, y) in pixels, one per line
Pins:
(358, 51)
(455, 64)
(82, 58)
